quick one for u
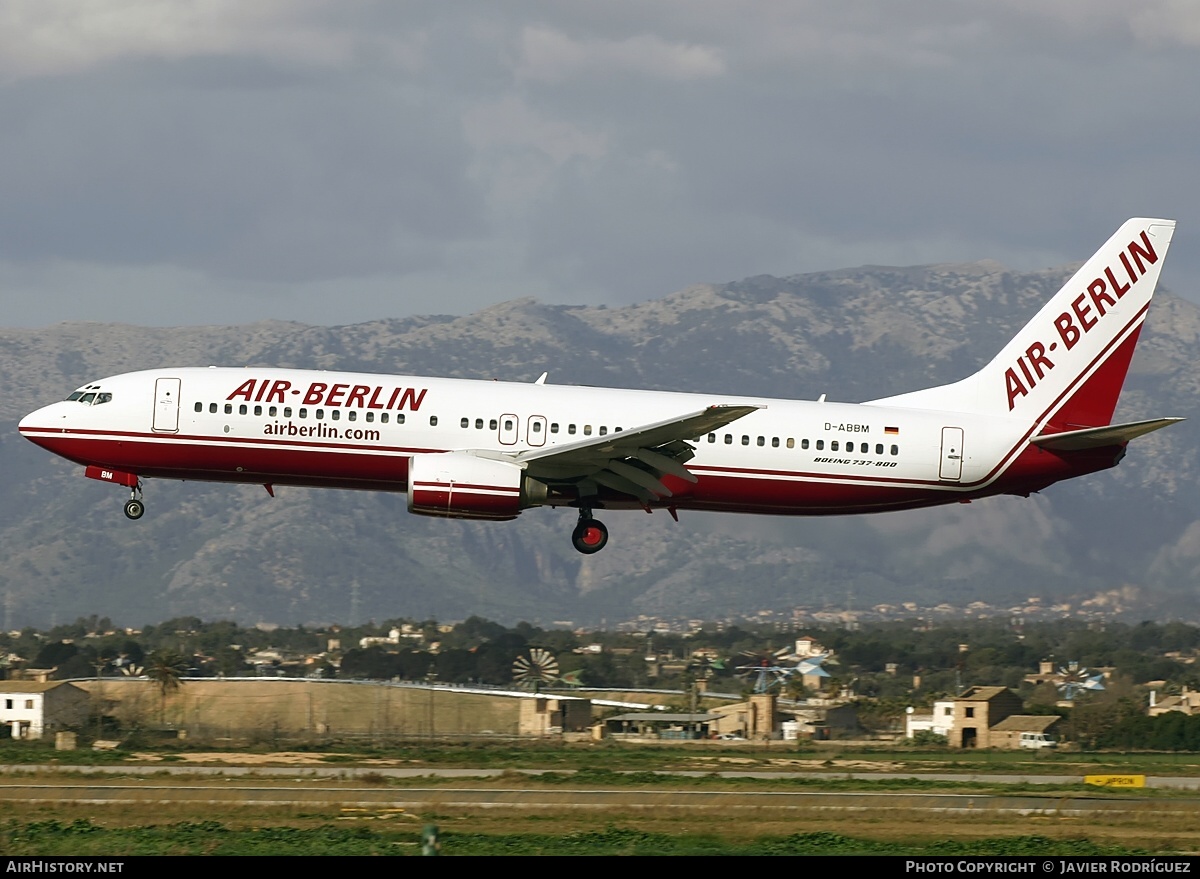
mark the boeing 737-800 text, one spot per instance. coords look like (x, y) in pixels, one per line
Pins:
(1039, 412)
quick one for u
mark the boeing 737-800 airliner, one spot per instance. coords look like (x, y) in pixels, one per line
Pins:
(1039, 412)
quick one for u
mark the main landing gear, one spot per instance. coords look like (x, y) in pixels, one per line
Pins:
(590, 535)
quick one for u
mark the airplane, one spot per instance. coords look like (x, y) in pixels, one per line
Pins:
(1039, 412)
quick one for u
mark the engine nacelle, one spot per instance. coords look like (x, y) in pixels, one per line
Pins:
(459, 485)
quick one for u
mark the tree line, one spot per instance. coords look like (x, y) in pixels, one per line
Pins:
(906, 660)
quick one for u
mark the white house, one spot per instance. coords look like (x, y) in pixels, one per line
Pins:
(31, 709)
(940, 722)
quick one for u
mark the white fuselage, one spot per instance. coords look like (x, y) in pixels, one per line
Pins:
(301, 427)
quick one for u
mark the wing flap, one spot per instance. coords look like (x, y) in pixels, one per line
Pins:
(632, 461)
(1098, 437)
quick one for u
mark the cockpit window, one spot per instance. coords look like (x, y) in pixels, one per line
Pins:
(91, 396)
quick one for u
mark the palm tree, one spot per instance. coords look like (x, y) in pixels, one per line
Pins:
(165, 667)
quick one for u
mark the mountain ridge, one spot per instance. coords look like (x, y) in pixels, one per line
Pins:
(853, 334)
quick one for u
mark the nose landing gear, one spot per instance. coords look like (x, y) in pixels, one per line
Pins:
(134, 507)
(590, 535)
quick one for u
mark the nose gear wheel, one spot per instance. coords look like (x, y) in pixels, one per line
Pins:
(134, 507)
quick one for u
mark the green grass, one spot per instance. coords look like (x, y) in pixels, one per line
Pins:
(82, 837)
(634, 757)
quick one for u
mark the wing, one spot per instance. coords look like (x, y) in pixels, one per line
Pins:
(631, 461)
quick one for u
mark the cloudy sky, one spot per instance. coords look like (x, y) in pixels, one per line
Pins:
(224, 161)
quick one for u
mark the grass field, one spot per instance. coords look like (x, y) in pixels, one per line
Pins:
(650, 806)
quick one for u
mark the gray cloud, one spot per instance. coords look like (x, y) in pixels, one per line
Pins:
(222, 162)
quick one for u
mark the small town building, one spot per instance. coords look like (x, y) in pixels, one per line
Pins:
(1025, 731)
(549, 715)
(660, 725)
(984, 717)
(937, 722)
(979, 709)
(1187, 702)
(762, 716)
(32, 709)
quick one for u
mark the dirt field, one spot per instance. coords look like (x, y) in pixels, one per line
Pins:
(512, 805)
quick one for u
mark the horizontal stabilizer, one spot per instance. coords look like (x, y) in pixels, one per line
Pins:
(1098, 437)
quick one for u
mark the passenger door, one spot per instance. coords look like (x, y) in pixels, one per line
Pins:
(166, 405)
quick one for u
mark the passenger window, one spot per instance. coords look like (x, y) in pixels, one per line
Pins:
(745, 440)
(212, 407)
(587, 430)
(712, 437)
(554, 427)
(603, 430)
(320, 414)
(287, 411)
(762, 441)
(479, 424)
(571, 429)
(895, 450)
(370, 417)
(728, 439)
(351, 415)
(273, 411)
(383, 418)
(464, 423)
(432, 420)
(774, 442)
(833, 446)
(803, 443)
(303, 413)
(242, 410)
(878, 448)
(228, 408)
(335, 414)
(508, 425)
(258, 410)
(791, 443)
(493, 424)
(537, 427)
(199, 407)
(820, 445)
(399, 417)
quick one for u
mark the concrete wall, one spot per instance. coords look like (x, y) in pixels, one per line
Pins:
(274, 707)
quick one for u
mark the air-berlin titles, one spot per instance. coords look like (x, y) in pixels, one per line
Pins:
(322, 394)
(1072, 325)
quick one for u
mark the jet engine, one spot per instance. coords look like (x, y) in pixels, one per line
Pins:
(460, 485)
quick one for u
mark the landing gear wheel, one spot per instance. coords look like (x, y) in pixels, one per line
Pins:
(134, 508)
(589, 536)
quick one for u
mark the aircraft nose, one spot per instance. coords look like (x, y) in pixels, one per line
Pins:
(40, 419)
(28, 421)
